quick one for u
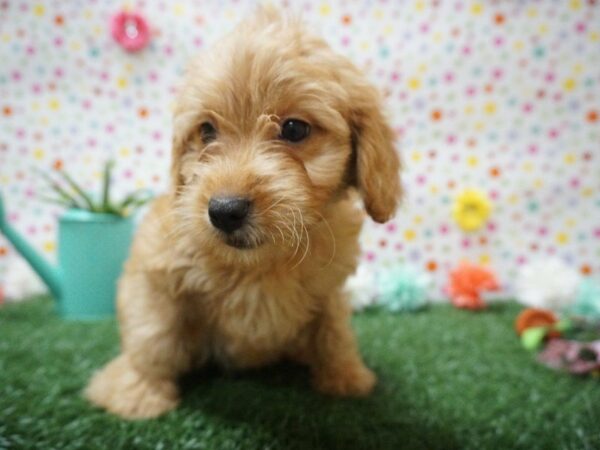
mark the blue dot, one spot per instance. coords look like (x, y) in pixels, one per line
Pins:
(476, 71)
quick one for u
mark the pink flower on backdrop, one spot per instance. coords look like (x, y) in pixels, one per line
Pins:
(130, 30)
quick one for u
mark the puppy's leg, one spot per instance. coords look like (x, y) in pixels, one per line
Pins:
(158, 341)
(123, 390)
(336, 364)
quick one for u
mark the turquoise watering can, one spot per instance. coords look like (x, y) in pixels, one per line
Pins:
(92, 249)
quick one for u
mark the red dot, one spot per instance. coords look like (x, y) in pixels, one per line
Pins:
(436, 115)
(592, 116)
(495, 172)
(431, 266)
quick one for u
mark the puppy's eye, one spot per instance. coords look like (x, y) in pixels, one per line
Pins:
(208, 132)
(294, 130)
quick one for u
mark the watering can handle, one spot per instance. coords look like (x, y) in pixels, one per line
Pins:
(2, 213)
(49, 274)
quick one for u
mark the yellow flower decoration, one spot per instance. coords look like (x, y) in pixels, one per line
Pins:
(471, 209)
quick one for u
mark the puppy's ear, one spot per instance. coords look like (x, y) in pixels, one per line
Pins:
(183, 123)
(176, 154)
(377, 174)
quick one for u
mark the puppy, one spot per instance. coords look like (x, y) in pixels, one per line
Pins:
(243, 262)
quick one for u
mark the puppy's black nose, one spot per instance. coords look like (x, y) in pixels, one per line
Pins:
(228, 213)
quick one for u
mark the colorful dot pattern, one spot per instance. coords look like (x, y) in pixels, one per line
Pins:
(503, 97)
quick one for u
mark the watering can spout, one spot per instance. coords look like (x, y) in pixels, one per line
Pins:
(49, 274)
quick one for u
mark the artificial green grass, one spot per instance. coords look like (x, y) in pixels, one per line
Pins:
(447, 379)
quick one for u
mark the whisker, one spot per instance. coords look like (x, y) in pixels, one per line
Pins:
(334, 246)
(307, 246)
(286, 224)
(297, 238)
(283, 240)
(273, 205)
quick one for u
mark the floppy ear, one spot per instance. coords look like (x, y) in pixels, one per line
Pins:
(184, 120)
(377, 162)
(176, 154)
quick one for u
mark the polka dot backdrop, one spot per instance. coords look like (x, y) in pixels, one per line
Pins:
(502, 98)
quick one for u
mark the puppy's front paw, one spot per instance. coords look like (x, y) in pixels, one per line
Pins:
(353, 380)
(121, 390)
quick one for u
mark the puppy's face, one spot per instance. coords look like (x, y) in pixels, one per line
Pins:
(270, 128)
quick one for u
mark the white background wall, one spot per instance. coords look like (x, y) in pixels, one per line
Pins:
(503, 97)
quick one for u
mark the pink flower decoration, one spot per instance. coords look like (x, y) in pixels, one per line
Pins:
(576, 357)
(130, 30)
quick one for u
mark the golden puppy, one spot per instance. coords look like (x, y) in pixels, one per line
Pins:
(244, 261)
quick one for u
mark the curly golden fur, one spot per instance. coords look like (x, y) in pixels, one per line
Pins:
(191, 293)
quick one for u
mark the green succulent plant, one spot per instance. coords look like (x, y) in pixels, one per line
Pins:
(71, 195)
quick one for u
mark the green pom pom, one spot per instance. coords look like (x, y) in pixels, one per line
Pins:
(532, 338)
(403, 289)
(587, 302)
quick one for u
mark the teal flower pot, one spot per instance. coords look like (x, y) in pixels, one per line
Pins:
(92, 249)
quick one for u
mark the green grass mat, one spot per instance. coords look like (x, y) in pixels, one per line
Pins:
(447, 379)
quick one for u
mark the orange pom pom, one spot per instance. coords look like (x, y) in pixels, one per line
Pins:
(534, 317)
(466, 284)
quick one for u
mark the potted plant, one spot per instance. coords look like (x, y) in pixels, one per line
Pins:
(93, 243)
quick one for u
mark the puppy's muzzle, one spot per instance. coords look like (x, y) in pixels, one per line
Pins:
(228, 214)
